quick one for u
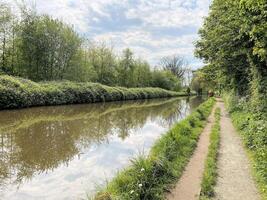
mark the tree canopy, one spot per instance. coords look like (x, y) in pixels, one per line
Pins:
(233, 45)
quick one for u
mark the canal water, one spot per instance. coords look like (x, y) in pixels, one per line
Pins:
(68, 152)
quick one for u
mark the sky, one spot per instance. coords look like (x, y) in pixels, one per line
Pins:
(151, 28)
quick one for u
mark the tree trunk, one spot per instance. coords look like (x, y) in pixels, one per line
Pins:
(3, 54)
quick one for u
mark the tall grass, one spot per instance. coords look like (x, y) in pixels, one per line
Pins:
(150, 177)
(210, 171)
(18, 93)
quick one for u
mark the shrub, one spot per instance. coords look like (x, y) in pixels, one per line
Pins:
(19, 93)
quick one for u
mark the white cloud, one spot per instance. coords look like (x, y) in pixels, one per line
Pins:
(97, 19)
(147, 47)
(164, 14)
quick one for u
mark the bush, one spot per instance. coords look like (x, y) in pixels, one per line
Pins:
(149, 177)
(19, 93)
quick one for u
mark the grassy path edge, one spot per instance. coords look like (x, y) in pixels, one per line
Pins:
(210, 171)
(150, 177)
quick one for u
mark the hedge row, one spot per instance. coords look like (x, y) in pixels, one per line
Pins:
(18, 93)
(150, 177)
(210, 171)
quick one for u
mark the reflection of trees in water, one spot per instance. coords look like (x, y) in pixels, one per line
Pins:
(172, 115)
(40, 139)
(194, 102)
(182, 109)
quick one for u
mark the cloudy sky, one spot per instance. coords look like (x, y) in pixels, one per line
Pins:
(151, 28)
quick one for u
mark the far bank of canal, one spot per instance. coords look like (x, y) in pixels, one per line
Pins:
(65, 151)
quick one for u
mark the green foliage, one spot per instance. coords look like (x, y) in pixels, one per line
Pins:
(6, 30)
(166, 79)
(210, 171)
(253, 129)
(222, 46)
(46, 47)
(142, 74)
(41, 48)
(150, 177)
(255, 25)
(233, 40)
(206, 78)
(103, 62)
(126, 69)
(18, 93)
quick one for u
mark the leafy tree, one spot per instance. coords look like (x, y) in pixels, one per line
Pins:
(47, 47)
(166, 79)
(42, 48)
(254, 27)
(81, 69)
(125, 68)
(5, 34)
(233, 42)
(142, 74)
(103, 60)
(175, 64)
(221, 46)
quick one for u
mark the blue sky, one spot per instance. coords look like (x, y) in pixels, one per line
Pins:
(151, 28)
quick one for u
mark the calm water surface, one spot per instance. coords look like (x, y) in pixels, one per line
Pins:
(65, 152)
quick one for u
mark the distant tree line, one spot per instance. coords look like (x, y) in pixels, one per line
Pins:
(41, 48)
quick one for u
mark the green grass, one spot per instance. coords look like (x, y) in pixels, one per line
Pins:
(252, 127)
(18, 93)
(150, 177)
(210, 171)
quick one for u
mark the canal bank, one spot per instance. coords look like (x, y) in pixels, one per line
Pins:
(149, 177)
(21, 93)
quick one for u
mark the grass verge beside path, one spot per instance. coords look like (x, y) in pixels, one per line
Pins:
(19, 93)
(210, 171)
(149, 177)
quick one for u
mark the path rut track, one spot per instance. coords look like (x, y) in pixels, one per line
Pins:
(188, 187)
(234, 181)
(234, 175)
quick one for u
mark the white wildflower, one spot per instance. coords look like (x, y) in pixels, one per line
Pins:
(140, 185)
(132, 191)
(142, 169)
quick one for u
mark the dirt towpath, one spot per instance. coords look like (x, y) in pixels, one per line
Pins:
(188, 187)
(234, 176)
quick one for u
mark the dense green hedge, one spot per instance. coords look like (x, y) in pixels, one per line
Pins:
(149, 177)
(253, 128)
(210, 172)
(18, 93)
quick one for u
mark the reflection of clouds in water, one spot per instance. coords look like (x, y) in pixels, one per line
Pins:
(93, 168)
(105, 143)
